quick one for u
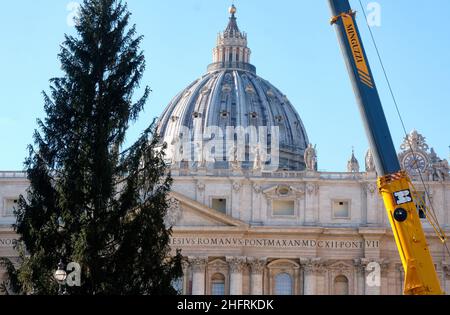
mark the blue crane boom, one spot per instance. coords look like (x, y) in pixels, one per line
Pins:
(364, 86)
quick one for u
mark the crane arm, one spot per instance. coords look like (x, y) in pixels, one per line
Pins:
(393, 183)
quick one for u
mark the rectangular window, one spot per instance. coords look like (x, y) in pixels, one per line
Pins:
(219, 204)
(9, 206)
(341, 209)
(283, 207)
(421, 203)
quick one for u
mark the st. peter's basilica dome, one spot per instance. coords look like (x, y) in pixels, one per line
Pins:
(230, 94)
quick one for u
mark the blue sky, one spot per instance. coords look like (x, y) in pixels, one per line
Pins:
(293, 47)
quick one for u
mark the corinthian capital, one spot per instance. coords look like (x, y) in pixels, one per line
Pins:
(198, 263)
(257, 264)
(360, 268)
(236, 263)
(312, 265)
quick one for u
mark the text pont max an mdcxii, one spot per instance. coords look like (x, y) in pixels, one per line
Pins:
(270, 242)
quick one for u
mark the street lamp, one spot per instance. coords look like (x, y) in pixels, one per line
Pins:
(60, 276)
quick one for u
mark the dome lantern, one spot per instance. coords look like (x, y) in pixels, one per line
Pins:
(231, 49)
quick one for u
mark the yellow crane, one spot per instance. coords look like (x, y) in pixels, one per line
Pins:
(394, 184)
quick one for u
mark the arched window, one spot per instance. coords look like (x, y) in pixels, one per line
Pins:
(283, 284)
(341, 285)
(218, 284)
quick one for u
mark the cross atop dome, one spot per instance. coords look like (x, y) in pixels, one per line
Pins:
(232, 29)
(232, 10)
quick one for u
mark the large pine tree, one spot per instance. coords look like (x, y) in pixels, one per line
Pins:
(89, 201)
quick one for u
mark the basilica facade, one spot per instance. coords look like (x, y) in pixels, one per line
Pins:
(257, 217)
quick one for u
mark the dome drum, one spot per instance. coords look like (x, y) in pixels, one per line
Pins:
(216, 66)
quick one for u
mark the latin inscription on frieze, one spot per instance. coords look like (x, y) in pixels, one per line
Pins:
(269, 242)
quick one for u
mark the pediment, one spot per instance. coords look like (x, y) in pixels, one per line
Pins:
(283, 191)
(218, 263)
(282, 264)
(339, 265)
(195, 214)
